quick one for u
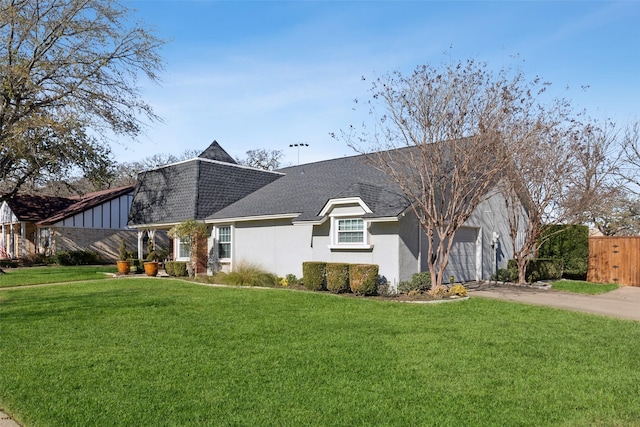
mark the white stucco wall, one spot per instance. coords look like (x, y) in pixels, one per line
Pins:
(277, 245)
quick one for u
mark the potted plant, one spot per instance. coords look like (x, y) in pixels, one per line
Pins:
(151, 266)
(124, 267)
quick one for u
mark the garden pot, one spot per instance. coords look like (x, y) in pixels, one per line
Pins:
(124, 267)
(151, 268)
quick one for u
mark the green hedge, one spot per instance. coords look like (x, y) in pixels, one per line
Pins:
(78, 257)
(568, 244)
(538, 269)
(337, 277)
(313, 274)
(176, 268)
(363, 279)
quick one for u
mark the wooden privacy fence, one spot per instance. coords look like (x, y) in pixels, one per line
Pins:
(614, 260)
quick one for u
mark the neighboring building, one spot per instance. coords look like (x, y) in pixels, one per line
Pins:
(45, 225)
(191, 189)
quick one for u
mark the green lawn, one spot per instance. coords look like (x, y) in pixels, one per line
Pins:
(54, 274)
(151, 352)
(581, 287)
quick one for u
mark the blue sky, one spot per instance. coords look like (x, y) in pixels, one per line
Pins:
(266, 74)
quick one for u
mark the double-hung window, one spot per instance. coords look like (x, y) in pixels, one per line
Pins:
(184, 248)
(350, 231)
(224, 242)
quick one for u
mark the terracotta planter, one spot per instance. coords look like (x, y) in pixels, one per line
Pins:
(151, 268)
(124, 267)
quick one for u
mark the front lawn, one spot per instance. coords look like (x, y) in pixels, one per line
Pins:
(166, 352)
(41, 275)
(581, 287)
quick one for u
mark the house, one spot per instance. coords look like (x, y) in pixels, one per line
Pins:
(191, 189)
(32, 224)
(340, 210)
(345, 210)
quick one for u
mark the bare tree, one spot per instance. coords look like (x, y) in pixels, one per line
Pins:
(543, 161)
(68, 74)
(441, 135)
(262, 159)
(630, 170)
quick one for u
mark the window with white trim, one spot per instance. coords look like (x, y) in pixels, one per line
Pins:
(184, 248)
(224, 242)
(350, 231)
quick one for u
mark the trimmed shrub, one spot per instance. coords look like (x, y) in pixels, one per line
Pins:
(539, 269)
(176, 268)
(39, 259)
(313, 274)
(363, 279)
(337, 277)
(7, 263)
(78, 257)
(420, 282)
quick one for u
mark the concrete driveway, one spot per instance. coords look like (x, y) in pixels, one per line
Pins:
(623, 303)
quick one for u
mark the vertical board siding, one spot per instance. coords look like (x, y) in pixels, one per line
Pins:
(614, 260)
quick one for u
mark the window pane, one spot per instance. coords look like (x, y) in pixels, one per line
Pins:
(350, 225)
(351, 237)
(184, 251)
(224, 234)
(224, 242)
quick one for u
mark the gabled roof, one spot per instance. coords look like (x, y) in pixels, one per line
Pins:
(193, 189)
(46, 210)
(32, 208)
(216, 152)
(87, 202)
(305, 189)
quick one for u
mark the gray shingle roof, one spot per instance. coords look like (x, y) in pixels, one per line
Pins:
(216, 152)
(305, 189)
(193, 189)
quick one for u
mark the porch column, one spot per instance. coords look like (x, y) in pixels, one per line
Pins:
(3, 246)
(152, 235)
(140, 239)
(12, 242)
(23, 239)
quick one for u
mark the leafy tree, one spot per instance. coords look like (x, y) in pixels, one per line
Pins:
(262, 159)
(68, 78)
(440, 133)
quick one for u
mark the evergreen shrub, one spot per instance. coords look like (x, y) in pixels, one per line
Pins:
(363, 279)
(313, 274)
(176, 268)
(539, 269)
(78, 257)
(337, 277)
(568, 244)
